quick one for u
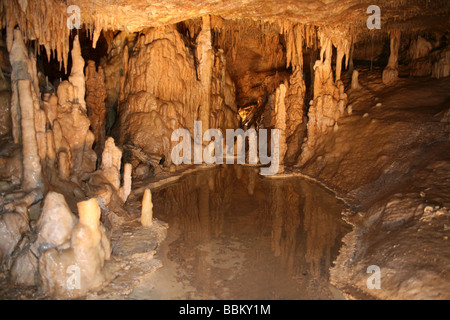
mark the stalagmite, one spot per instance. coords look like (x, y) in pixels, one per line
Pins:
(280, 123)
(125, 190)
(390, 73)
(205, 59)
(111, 162)
(53, 229)
(355, 83)
(18, 57)
(31, 160)
(95, 103)
(147, 209)
(72, 272)
(76, 77)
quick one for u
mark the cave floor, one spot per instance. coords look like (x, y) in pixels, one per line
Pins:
(390, 159)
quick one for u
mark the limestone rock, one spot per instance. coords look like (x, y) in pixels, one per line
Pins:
(55, 223)
(12, 226)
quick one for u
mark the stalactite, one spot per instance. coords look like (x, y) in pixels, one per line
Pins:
(294, 47)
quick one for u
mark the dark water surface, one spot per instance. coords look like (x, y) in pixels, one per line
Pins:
(234, 234)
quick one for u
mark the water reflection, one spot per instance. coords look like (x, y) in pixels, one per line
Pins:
(237, 235)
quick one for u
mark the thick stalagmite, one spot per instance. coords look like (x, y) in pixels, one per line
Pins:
(111, 163)
(25, 110)
(31, 161)
(72, 272)
(72, 136)
(147, 209)
(390, 73)
(205, 58)
(355, 80)
(95, 101)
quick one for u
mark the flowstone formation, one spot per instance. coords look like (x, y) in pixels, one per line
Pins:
(166, 86)
(330, 100)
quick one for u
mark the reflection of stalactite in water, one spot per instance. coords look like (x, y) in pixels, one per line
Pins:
(252, 174)
(238, 171)
(292, 223)
(276, 208)
(285, 210)
(321, 230)
(214, 221)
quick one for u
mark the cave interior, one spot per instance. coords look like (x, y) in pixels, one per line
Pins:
(352, 97)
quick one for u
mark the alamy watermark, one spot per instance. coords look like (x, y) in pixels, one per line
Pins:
(74, 21)
(374, 20)
(374, 280)
(213, 152)
(74, 279)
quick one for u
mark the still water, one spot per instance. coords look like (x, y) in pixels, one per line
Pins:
(234, 234)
